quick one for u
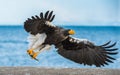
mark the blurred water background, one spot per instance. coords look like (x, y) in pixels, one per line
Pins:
(13, 46)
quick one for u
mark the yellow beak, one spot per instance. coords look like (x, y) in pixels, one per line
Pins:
(71, 32)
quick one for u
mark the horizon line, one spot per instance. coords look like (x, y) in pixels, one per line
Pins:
(63, 25)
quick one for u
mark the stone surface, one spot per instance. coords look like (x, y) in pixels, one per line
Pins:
(56, 71)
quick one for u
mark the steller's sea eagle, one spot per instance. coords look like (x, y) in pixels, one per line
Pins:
(43, 34)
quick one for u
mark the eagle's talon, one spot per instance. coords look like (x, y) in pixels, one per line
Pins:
(30, 51)
(34, 55)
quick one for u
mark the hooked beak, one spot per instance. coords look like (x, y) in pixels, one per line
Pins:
(71, 32)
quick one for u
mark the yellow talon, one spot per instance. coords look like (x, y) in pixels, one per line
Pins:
(30, 51)
(35, 55)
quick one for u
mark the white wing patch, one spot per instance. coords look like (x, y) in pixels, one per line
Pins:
(77, 40)
(49, 24)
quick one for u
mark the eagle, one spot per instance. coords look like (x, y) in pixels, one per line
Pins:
(43, 34)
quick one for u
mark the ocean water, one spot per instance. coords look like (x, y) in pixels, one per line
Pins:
(13, 46)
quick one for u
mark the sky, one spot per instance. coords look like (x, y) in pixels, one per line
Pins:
(68, 12)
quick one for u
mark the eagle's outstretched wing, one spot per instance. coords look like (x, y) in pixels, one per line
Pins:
(85, 52)
(39, 24)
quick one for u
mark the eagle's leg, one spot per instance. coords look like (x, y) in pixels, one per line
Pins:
(44, 47)
(31, 51)
(35, 54)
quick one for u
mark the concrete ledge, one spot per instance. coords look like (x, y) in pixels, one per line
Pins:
(56, 71)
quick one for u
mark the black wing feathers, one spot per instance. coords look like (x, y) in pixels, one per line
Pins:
(34, 24)
(87, 54)
(49, 16)
(46, 14)
(37, 17)
(52, 18)
(41, 15)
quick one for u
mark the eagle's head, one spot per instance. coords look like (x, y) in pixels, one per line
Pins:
(62, 34)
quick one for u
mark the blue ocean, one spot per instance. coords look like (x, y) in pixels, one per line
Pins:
(13, 46)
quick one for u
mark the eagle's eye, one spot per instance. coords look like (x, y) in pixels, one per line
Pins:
(71, 32)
